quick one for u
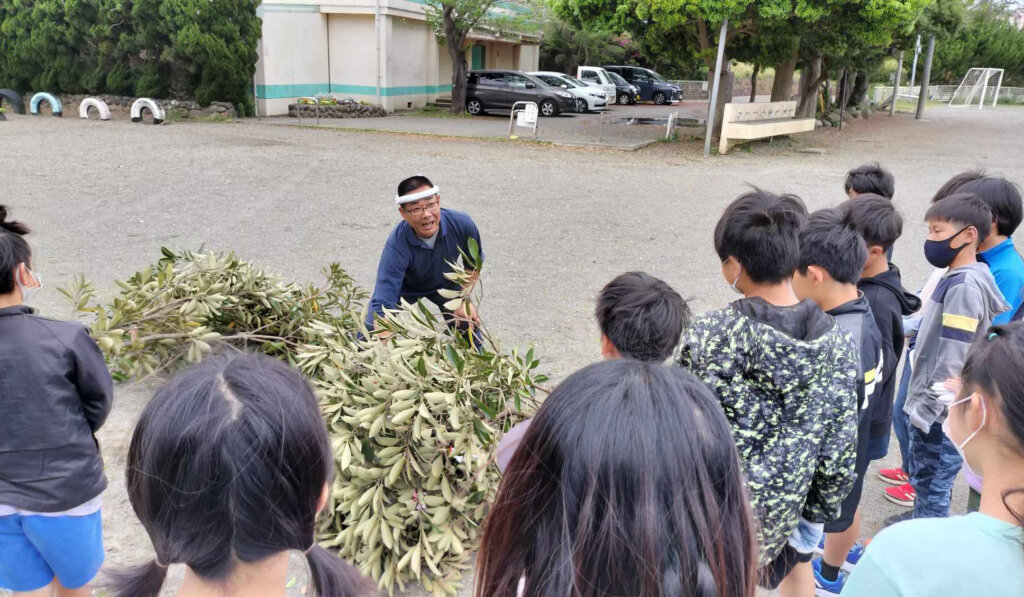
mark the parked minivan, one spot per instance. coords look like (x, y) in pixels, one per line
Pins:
(653, 87)
(499, 89)
(597, 77)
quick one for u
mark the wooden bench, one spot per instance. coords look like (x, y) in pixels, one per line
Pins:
(760, 120)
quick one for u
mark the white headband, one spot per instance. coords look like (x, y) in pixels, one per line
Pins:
(402, 199)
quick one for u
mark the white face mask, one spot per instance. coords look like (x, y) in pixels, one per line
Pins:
(949, 413)
(27, 294)
(736, 281)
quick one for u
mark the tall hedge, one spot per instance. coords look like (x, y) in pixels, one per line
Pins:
(202, 49)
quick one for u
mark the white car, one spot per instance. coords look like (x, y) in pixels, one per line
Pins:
(588, 98)
(596, 76)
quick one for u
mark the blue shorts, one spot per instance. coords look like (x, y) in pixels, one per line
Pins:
(35, 549)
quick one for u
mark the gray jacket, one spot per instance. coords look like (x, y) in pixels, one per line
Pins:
(55, 392)
(960, 309)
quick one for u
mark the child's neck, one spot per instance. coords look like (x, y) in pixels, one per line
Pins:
(875, 268)
(839, 294)
(260, 579)
(780, 295)
(11, 299)
(996, 481)
(966, 257)
(992, 241)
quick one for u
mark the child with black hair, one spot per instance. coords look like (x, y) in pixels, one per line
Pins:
(228, 467)
(640, 317)
(55, 393)
(832, 256)
(964, 302)
(878, 222)
(870, 179)
(980, 553)
(785, 374)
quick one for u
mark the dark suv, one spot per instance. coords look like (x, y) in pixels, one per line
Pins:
(499, 89)
(653, 87)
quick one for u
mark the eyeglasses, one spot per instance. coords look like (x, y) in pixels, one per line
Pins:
(418, 211)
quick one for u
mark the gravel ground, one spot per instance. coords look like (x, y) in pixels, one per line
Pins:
(557, 223)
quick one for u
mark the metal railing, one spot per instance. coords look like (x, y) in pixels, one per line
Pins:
(299, 104)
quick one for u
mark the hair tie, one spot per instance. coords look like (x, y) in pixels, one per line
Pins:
(992, 335)
(310, 548)
(156, 560)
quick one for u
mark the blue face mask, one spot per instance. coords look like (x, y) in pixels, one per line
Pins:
(941, 253)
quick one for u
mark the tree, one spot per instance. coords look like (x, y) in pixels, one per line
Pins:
(987, 39)
(564, 47)
(452, 21)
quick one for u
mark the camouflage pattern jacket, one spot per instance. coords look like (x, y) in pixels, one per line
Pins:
(787, 380)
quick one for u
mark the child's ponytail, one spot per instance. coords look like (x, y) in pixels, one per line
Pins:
(332, 577)
(138, 581)
(13, 227)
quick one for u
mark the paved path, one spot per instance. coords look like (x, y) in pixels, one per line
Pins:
(610, 128)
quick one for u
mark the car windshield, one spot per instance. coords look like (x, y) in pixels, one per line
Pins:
(617, 79)
(574, 81)
(656, 76)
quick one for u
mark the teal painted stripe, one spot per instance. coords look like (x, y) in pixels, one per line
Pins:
(313, 89)
(265, 8)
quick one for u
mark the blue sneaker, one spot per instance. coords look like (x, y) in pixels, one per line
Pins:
(851, 558)
(825, 588)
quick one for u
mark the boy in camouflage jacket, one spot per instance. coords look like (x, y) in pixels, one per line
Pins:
(786, 376)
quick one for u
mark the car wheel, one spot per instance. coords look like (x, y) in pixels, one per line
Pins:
(623, 99)
(659, 98)
(581, 105)
(474, 106)
(549, 108)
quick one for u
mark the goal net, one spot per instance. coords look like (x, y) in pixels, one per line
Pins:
(978, 86)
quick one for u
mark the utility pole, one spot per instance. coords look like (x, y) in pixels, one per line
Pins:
(926, 78)
(913, 69)
(896, 85)
(714, 89)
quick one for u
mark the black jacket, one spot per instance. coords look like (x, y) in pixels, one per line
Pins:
(890, 302)
(55, 392)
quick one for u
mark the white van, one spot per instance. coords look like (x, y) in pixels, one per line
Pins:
(597, 77)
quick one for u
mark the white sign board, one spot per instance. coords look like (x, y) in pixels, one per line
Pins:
(527, 117)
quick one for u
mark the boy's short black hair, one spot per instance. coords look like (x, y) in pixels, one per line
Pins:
(760, 230)
(871, 178)
(1002, 197)
(953, 184)
(13, 250)
(962, 210)
(412, 183)
(830, 241)
(875, 218)
(642, 316)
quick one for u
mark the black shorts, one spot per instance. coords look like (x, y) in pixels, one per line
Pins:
(852, 500)
(771, 574)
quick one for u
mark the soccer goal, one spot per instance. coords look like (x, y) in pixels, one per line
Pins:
(975, 87)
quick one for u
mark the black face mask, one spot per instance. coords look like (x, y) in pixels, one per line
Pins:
(941, 253)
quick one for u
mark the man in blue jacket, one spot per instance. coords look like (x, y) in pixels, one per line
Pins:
(418, 250)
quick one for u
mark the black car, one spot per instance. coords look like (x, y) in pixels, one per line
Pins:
(499, 89)
(653, 87)
(625, 93)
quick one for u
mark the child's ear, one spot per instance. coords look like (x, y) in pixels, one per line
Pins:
(608, 350)
(875, 251)
(817, 274)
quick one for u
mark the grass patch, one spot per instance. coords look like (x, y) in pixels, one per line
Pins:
(219, 117)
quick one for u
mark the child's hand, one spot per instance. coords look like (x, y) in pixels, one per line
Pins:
(953, 384)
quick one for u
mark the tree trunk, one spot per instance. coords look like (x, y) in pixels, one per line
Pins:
(859, 91)
(753, 83)
(782, 86)
(457, 51)
(810, 81)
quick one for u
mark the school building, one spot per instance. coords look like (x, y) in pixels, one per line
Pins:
(379, 51)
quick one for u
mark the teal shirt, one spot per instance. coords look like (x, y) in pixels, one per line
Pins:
(1008, 269)
(974, 555)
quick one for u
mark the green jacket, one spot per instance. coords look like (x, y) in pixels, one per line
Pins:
(787, 380)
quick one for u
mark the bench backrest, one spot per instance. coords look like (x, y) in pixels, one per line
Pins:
(758, 111)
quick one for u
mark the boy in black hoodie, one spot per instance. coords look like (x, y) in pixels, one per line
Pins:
(786, 376)
(878, 222)
(832, 255)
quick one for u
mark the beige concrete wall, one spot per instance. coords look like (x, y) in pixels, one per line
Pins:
(353, 47)
(529, 57)
(292, 58)
(500, 55)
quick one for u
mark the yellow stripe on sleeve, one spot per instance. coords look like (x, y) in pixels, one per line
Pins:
(960, 322)
(869, 376)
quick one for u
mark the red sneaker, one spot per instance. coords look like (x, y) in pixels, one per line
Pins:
(894, 476)
(903, 495)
